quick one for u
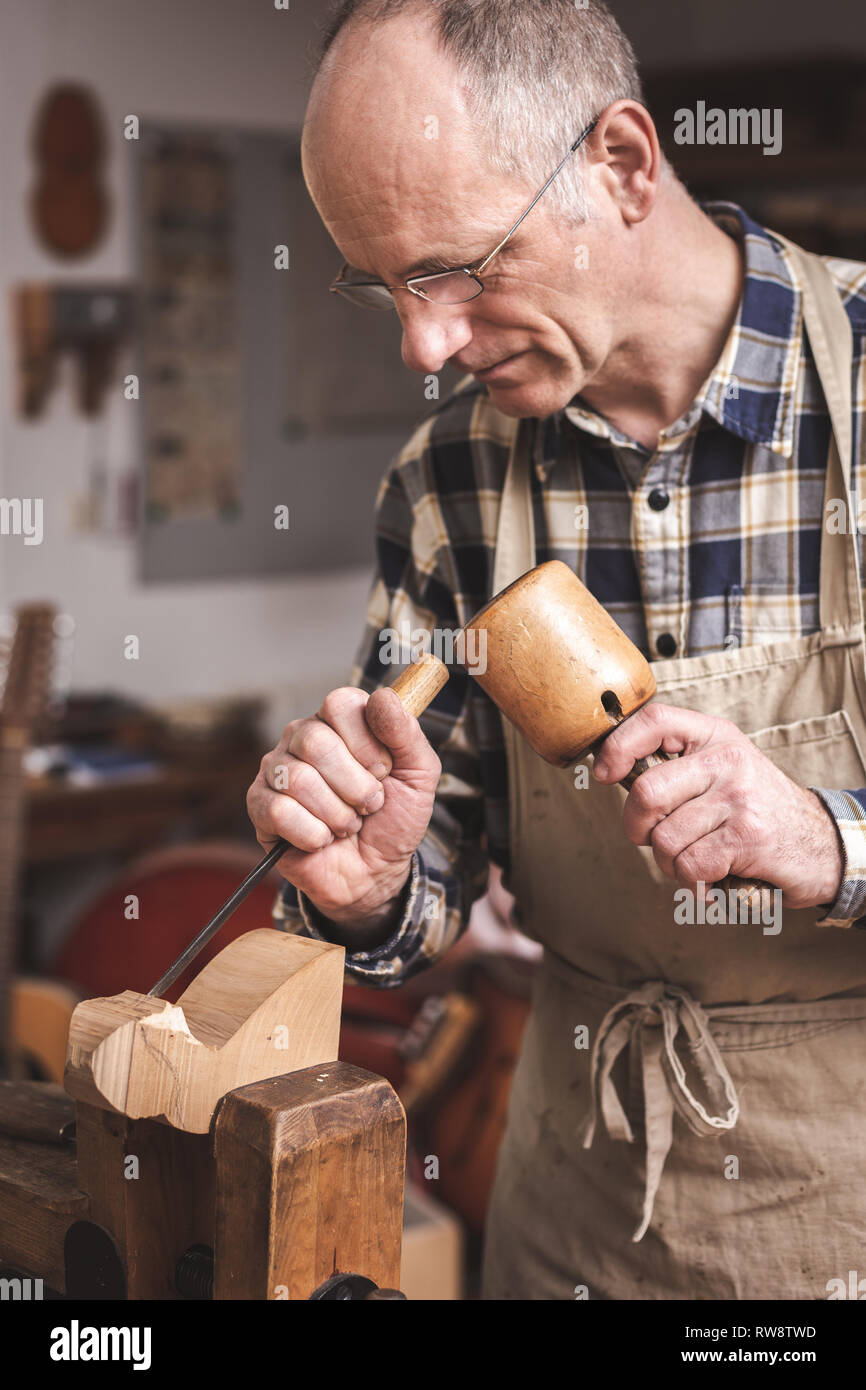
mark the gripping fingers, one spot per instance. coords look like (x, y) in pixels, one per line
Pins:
(314, 744)
(682, 829)
(298, 783)
(344, 711)
(280, 817)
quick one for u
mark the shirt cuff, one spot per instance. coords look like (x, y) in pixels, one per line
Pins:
(382, 964)
(849, 813)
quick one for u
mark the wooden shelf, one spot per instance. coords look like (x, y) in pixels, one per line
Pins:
(66, 822)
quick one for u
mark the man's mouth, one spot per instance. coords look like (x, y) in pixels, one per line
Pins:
(496, 369)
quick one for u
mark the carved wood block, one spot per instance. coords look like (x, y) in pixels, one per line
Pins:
(269, 1003)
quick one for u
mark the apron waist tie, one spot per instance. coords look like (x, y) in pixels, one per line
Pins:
(649, 1019)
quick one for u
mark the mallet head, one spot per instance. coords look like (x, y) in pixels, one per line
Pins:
(557, 664)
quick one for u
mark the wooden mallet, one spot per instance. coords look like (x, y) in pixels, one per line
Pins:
(565, 675)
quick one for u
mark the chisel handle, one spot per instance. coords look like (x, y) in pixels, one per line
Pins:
(420, 683)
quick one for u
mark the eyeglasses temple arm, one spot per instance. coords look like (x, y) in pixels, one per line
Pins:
(576, 146)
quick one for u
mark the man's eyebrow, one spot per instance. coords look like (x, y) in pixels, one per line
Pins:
(433, 263)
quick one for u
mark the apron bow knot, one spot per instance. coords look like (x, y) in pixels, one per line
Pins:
(650, 1019)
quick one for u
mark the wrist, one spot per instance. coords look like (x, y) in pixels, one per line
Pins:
(361, 925)
(830, 860)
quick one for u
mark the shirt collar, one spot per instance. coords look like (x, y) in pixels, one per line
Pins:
(752, 390)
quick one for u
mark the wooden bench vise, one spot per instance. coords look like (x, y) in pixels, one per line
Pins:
(220, 1148)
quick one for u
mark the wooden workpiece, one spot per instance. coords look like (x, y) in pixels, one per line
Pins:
(269, 1003)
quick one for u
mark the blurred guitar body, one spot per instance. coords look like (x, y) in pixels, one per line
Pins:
(41, 1011)
(34, 1013)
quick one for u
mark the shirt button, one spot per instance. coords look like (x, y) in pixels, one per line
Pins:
(658, 499)
(666, 645)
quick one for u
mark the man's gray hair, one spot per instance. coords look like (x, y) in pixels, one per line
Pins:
(536, 73)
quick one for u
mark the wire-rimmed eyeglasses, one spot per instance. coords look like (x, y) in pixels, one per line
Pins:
(455, 286)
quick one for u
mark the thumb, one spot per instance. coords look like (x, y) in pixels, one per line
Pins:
(400, 732)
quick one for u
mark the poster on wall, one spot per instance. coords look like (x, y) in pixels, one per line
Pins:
(189, 327)
(262, 393)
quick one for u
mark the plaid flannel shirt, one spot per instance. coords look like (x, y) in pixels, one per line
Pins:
(712, 539)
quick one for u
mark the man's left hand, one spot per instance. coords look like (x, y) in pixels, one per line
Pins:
(722, 807)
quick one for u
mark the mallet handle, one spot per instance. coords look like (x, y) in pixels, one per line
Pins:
(749, 895)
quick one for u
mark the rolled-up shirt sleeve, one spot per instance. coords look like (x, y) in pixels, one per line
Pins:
(848, 809)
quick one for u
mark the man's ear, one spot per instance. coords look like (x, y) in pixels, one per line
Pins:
(624, 153)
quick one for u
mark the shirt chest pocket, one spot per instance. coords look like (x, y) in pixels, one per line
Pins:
(760, 613)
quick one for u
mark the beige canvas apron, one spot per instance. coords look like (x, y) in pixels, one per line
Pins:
(687, 1116)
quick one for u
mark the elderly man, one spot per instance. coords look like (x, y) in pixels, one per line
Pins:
(659, 395)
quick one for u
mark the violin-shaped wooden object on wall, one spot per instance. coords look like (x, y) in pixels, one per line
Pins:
(69, 205)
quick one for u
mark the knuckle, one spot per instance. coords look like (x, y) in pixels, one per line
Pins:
(749, 829)
(260, 809)
(736, 752)
(645, 795)
(275, 758)
(725, 758)
(338, 702)
(320, 837)
(370, 790)
(312, 741)
(664, 840)
(301, 780)
(345, 820)
(652, 716)
(297, 826)
(688, 866)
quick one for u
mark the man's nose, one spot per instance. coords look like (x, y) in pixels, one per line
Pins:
(432, 332)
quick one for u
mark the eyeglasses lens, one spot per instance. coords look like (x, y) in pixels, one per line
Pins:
(367, 296)
(452, 287)
(448, 287)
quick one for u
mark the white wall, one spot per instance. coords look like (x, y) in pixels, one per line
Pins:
(237, 61)
(231, 61)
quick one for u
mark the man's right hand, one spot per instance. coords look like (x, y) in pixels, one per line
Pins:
(352, 791)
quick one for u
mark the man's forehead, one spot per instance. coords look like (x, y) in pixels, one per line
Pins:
(414, 238)
(395, 159)
(432, 252)
(407, 220)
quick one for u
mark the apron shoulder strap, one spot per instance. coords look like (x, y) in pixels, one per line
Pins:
(515, 537)
(831, 340)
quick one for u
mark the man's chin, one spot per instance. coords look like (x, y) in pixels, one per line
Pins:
(529, 399)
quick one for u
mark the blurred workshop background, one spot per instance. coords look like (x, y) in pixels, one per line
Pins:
(169, 379)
